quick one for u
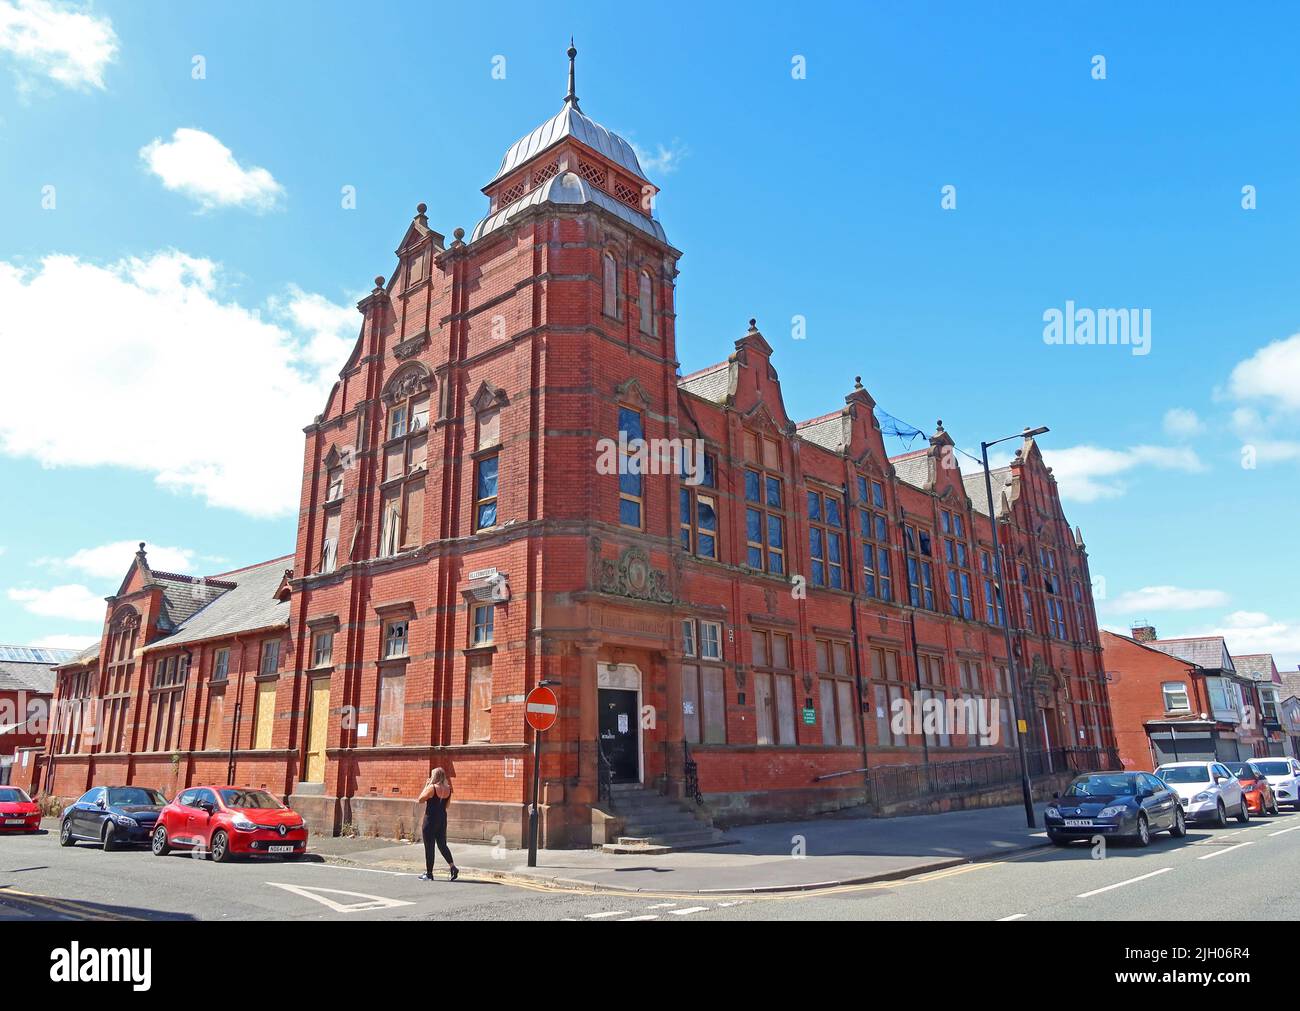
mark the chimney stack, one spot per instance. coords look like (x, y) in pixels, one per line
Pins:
(1144, 633)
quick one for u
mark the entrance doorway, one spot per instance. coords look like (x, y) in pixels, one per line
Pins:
(620, 733)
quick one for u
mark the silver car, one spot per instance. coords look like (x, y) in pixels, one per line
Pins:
(1208, 791)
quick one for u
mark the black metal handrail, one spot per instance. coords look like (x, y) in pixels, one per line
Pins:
(604, 774)
(691, 775)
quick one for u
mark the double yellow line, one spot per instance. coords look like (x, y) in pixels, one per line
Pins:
(63, 907)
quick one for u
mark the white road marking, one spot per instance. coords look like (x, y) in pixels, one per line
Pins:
(1284, 831)
(1013, 916)
(738, 902)
(1121, 884)
(689, 909)
(368, 870)
(1226, 849)
(601, 916)
(368, 903)
(662, 905)
(629, 919)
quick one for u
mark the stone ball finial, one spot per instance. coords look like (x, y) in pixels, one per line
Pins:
(142, 545)
(421, 208)
(379, 280)
(458, 234)
(753, 323)
(857, 382)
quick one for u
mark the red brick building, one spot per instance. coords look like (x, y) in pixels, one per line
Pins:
(1183, 699)
(26, 693)
(480, 511)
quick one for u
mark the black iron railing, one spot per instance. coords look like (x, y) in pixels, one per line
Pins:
(604, 775)
(691, 775)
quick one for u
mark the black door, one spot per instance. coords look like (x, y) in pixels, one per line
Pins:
(620, 733)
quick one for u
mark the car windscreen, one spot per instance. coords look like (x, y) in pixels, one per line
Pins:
(249, 798)
(1274, 768)
(13, 795)
(134, 796)
(1241, 770)
(1184, 774)
(1102, 786)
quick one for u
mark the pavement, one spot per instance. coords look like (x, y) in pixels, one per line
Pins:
(783, 856)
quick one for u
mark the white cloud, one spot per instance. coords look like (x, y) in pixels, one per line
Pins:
(72, 602)
(63, 641)
(1181, 423)
(1271, 374)
(663, 159)
(111, 561)
(61, 41)
(1257, 632)
(200, 166)
(1090, 473)
(227, 389)
(1165, 598)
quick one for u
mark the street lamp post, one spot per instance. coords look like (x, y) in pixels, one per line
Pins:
(1000, 574)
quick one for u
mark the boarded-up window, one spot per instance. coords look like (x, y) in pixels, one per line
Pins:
(715, 707)
(392, 708)
(265, 719)
(848, 711)
(419, 452)
(829, 735)
(389, 528)
(785, 709)
(413, 514)
(691, 702)
(610, 286)
(394, 461)
(489, 429)
(480, 699)
(763, 715)
(214, 730)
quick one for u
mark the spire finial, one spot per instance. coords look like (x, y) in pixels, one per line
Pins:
(572, 97)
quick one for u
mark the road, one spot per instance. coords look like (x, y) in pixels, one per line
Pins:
(1247, 872)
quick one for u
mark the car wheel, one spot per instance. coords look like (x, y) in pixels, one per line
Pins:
(1243, 815)
(1220, 816)
(65, 834)
(220, 847)
(1180, 824)
(110, 837)
(1143, 837)
(1275, 810)
(158, 844)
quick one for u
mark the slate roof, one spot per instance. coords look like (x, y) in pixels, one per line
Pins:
(978, 494)
(1290, 684)
(913, 468)
(1208, 651)
(830, 431)
(570, 121)
(184, 596)
(26, 677)
(251, 604)
(1256, 666)
(712, 383)
(569, 189)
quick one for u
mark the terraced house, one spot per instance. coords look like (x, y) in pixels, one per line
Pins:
(741, 632)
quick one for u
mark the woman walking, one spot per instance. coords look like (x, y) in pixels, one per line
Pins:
(436, 795)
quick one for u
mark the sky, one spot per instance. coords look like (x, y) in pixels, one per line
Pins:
(194, 196)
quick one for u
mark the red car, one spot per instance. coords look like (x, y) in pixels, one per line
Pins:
(17, 812)
(229, 821)
(1255, 787)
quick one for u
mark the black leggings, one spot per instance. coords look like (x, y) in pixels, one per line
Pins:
(435, 835)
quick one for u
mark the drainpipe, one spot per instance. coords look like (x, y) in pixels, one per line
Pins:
(853, 631)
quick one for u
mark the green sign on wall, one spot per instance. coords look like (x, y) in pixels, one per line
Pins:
(810, 716)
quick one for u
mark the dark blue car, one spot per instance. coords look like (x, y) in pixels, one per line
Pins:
(1128, 805)
(113, 816)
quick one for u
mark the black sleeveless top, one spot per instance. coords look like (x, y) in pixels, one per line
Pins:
(435, 808)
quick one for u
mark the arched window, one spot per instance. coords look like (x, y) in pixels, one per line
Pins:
(610, 283)
(645, 305)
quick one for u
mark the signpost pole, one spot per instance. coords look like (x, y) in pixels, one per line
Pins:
(532, 808)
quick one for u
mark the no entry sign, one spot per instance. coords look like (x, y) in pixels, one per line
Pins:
(541, 708)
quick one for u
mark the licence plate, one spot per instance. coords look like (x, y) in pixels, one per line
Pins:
(1078, 823)
(14, 821)
(279, 849)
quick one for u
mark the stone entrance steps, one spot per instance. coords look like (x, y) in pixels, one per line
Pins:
(653, 823)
